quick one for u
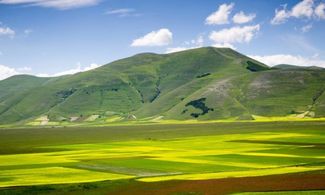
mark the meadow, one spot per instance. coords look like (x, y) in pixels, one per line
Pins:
(99, 160)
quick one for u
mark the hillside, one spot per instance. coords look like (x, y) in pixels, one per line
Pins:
(204, 84)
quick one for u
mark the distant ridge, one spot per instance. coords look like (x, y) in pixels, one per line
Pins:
(288, 66)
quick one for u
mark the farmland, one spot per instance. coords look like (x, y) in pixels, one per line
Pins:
(111, 158)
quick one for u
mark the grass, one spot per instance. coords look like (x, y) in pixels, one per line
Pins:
(159, 152)
(53, 175)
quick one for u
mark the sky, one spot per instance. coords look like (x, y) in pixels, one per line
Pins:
(57, 37)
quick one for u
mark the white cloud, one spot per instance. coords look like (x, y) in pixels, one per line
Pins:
(71, 71)
(177, 49)
(193, 44)
(241, 18)
(320, 11)
(155, 38)
(272, 60)
(122, 12)
(196, 42)
(6, 31)
(221, 15)
(224, 45)
(304, 9)
(24, 69)
(91, 67)
(58, 4)
(235, 34)
(281, 16)
(6, 72)
(306, 28)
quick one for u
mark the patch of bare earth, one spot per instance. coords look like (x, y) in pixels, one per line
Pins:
(289, 182)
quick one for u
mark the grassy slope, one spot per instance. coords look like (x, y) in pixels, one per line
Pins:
(151, 85)
(13, 90)
(276, 93)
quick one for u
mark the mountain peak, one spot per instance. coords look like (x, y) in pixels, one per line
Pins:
(203, 83)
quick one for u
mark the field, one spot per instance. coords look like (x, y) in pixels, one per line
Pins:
(212, 158)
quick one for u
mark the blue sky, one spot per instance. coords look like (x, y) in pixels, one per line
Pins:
(55, 37)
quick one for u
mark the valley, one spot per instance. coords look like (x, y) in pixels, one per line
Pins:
(98, 160)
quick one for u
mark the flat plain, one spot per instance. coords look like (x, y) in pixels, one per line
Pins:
(164, 158)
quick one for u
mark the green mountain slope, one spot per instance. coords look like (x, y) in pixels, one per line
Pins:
(204, 84)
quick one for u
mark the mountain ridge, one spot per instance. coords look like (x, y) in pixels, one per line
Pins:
(203, 84)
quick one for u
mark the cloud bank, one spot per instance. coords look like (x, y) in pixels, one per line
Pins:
(306, 9)
(71, 71)
(58, 4)
(273, 60)
(6, 72)
(229, 36)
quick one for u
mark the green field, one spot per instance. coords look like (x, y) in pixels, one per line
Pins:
(157, 153)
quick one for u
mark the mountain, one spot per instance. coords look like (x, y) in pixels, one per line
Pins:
(204, 84)
(289, 66)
